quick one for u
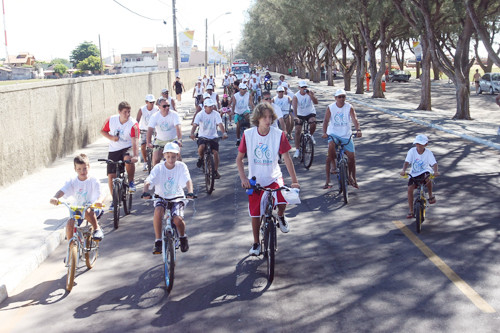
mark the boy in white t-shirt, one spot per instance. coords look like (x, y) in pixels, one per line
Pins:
(84, 190)
(422, 163)
(263, 144)
(169, 180)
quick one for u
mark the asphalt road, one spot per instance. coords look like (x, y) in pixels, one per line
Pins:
(344, 268)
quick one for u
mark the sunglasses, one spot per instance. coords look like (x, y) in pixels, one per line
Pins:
(165, 106)
(341, 96)
(267, 99)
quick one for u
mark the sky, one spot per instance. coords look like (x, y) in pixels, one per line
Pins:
(51, 29)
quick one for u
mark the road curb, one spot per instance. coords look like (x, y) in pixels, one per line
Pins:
(429, 124)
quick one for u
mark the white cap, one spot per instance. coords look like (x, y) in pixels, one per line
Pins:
(171, 147)
(280, 88)
(421, 139)
(210, 87)
(209, 102)
(206, 95)
(340, 92)
(150, 98)
(302, 83)
(284, 85)
(242, 86)
(164, 90)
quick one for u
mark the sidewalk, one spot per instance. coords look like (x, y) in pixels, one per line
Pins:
(30, 227)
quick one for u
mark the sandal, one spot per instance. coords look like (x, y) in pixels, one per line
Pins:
(327, 186)
(432, 200)
(409, 215)
(353, 183)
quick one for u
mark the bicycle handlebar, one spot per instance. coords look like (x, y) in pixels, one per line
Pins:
(113, 162)
(410, 176)
(81, 208)
(258, 187)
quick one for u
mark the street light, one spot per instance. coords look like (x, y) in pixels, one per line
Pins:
(206, 38)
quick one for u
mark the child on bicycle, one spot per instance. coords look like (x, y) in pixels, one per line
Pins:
(423, 163)
(226, 106)
(169, 180)
(84, 190)
(263, 144)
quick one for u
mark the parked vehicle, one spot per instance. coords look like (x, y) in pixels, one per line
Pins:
(399, 75)
(489, 82)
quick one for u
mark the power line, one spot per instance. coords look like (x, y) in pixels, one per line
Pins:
(130, 10)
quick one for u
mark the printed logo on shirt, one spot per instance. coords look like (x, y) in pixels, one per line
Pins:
(168, 186)
(208, 125)
(81, 196)
(164, 126)
(418, 166)
(262, 155)
(120, 134)
(339, 119)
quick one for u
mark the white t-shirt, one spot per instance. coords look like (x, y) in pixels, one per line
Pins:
(146, 115)
(340, 121)
(198, 90)
(283, 103)
(279, 114)
(241, 103)
(254, 85)
(214, 97)
(84, 192)
(305, 105)
(420, 163)
(125, 132)
(169, 183)
(208, 124)
(165, 126)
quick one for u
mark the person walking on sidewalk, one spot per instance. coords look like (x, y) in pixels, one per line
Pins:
(476, 79)
(179, 88)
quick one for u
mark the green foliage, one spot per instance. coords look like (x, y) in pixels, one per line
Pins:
(63, 61)
(91, 63)
(82, 52)
(60, 69)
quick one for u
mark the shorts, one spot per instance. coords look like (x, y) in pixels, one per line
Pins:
(213, 143)
(116, 156)
(254, 200)
(306, 118)
(418, 179)
(176, 208)
(159, 144)
(143, 137)
(239, 117)
(349, 147)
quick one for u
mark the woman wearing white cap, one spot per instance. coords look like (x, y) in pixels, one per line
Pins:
(304, 110)
(241, 104)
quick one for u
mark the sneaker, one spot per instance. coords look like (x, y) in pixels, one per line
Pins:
(296, 154)
(216, 175)
(131, 186)
(313, 140)
(157, 247)
(184, 244)
(255, 250)
(199, 163)
(238, 143)
(111, 207)
(284, 226)
(145, 167)
(98, 235)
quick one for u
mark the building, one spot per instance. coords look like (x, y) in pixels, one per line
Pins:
(21, 59)
(146, 61)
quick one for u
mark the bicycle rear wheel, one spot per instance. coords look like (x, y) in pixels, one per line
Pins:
(168, 260)
(343, 181)
(72, 259)
(92, 250)
(308, 152)
(209, 173)
(116, 206)
(225, 123)
(419, 215)
(127, 200)
(150, 159)
(271, 249)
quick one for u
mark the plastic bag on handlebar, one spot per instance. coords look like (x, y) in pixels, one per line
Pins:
(291, 196)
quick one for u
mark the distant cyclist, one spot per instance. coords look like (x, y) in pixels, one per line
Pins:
(143, 116)
(304, 110)
(241, 104)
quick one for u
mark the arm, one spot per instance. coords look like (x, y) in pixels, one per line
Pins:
(326, 120)
(178, 129)
(173, 104)
(107, 135)
(55, 199)
(149, 134)
(194, 90)
(139, 115)
(233, 103)
(241, 170)
(313, 97)
(356, 122)
(405, 166)
(291, 170)
(218, 102)
(192, 131)
(221, 128)
(435, 168)
(282, 124)
(183, 89)
(294, 106)
(135, 149)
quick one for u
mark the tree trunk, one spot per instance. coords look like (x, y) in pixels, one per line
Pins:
(425, 79)
(462, 93)
(418, 69)
(348, 76)
(435, 70)
(360, 73)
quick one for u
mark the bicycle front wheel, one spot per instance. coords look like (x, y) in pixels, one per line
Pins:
(150, 160)
(168, 260)
(91, 252)
(209, 173)
(127, 200)
(271, 249)
(344, 188)
(419, 216)
(116, 206)
(308, 152)
(225, 123)
(72, 259)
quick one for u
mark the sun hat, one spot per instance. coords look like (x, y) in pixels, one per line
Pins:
(280, 88)
(421, 139)
(302, 83)
(340, 92)
(150, 98)
(164, 90)
(225, 95)
(284, 85)
(209, 102)
(242, 86)
(206, 95)
(210, 87)
(171, 147)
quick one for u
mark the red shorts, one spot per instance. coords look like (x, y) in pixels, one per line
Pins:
(254, 200)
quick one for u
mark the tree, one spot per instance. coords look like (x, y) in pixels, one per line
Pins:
(60, 69)
(83, 51)
(92, 63)
(63, 61)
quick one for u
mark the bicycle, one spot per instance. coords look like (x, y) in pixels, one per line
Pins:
(226, 111)
(420, 202)
(209, 166)
(268, 226)
(170, 242)
(121, 191)
(81, 244)
(342, 167)
(306, 148)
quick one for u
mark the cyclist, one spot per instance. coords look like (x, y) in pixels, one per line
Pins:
(281, 80)
(179, 88)
(263, 144)
(225, 83)
(122, 131)
(143, 116)
(337, 124)
(85, 190)
(278, 123)
(169, 180)
(240, 103)
(422, 163)
(288, 91)
(198, 92)
(167, 124)
(225, 103)
(211, 80)
(208, 122)
(214, 96)
(170, 100)
(255, 88)
(303, 108)
(285, 102)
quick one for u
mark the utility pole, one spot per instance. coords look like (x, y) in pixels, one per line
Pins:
(176, 60)
(206, 46)
(5, 34)
(100, 54)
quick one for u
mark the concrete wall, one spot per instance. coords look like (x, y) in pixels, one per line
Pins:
(42, 121)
